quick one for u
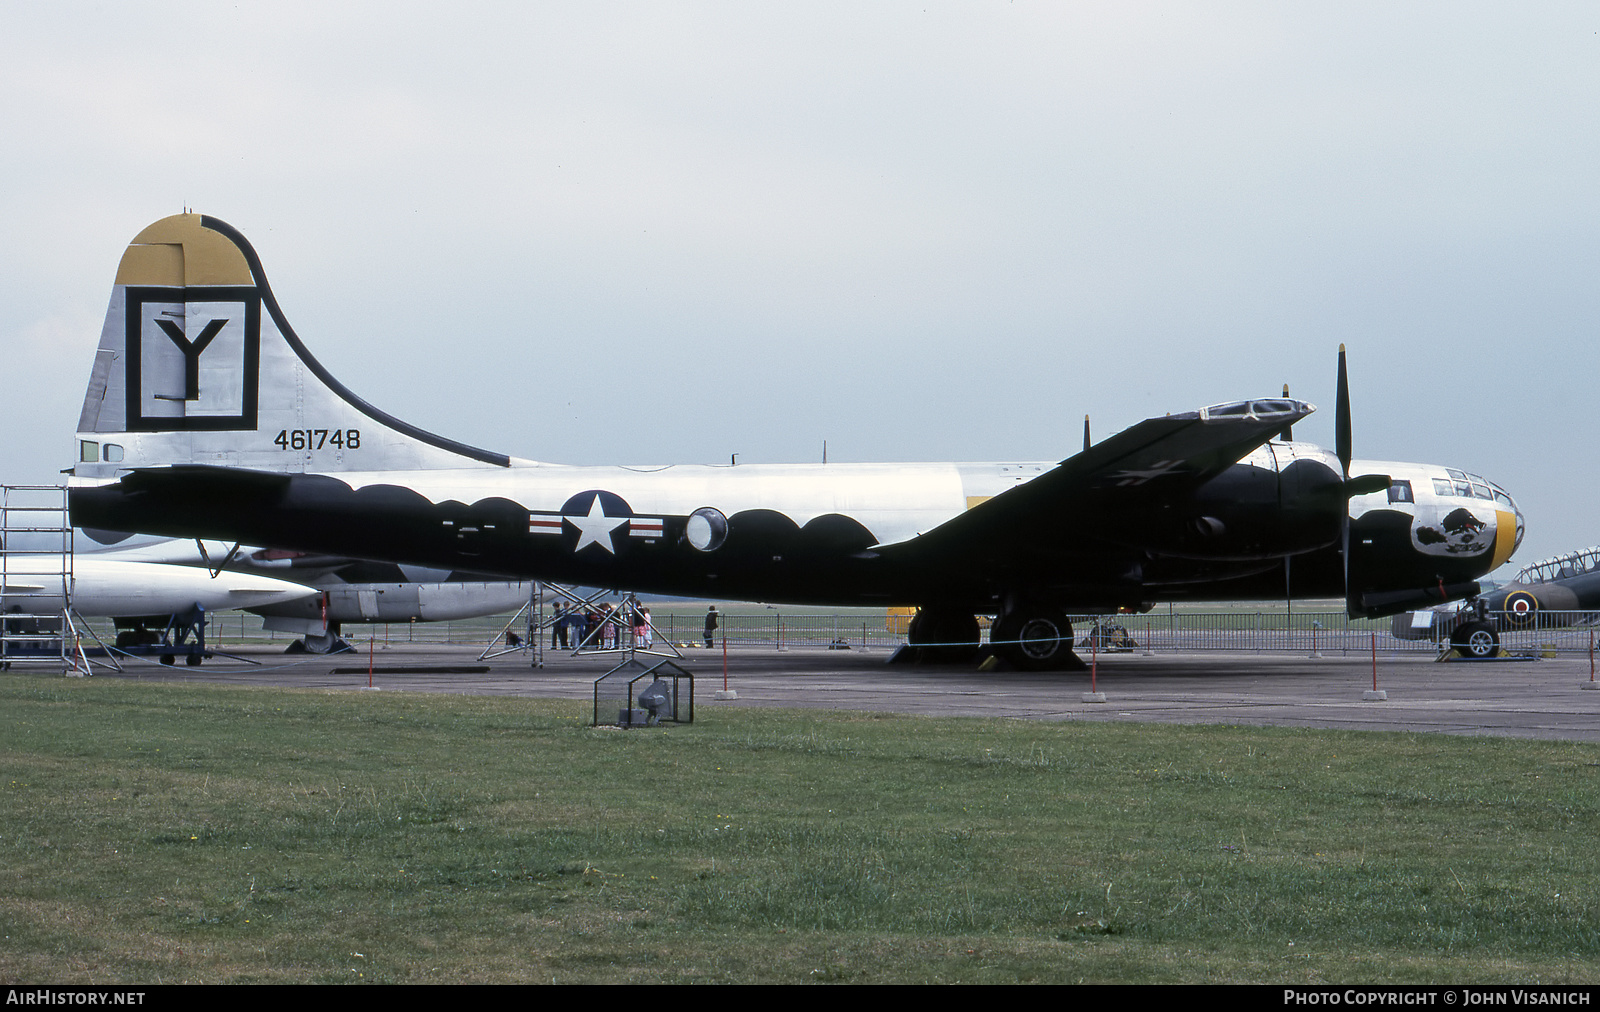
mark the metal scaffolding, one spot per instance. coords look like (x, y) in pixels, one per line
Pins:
(36, 581)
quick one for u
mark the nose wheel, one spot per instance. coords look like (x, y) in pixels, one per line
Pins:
(1476, 641)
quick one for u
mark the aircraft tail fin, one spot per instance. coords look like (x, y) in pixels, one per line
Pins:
(198, 365)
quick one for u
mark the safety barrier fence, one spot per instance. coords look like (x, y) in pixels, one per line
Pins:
(1304, 632)
(1314, 633)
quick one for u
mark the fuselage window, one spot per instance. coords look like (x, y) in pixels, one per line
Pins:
(88, 453)
(1400, 491)
(1443, 487)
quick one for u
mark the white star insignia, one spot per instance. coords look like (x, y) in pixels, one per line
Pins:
(596, 528)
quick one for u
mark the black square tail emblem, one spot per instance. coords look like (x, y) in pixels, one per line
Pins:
(193, 358)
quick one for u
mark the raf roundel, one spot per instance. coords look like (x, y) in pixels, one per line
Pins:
(1521, 609)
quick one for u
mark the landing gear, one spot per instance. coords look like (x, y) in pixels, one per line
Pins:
(1475, 638)
(1027, 638)
(1476, 641)
(942, 636)
(1034, 639)
(182, 635)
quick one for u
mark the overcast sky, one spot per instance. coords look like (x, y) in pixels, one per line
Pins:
(651, 233)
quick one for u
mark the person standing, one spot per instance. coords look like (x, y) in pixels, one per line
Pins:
(711, 625)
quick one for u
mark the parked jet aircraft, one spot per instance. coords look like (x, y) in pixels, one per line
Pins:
(207, 416)
(339, 590)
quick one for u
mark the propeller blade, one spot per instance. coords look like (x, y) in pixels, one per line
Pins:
(1366, 485)
(1341, 417)
(1287, 435)
(1086, 433)
(1341, 446)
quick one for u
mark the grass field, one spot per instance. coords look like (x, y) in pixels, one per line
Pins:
(162, 833)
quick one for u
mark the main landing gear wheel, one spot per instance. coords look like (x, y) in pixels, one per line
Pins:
(1035, 640)
(943, 636)
(1476, 641)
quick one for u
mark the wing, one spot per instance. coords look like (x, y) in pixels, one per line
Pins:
(1158, 462)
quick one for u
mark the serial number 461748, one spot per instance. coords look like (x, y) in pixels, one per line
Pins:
(316, 439)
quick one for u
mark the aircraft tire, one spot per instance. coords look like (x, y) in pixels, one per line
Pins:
(1034, 640)
(935, 626)
(944, 636)
(1476, 641)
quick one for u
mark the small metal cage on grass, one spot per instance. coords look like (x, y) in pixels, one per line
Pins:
(635, 695)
